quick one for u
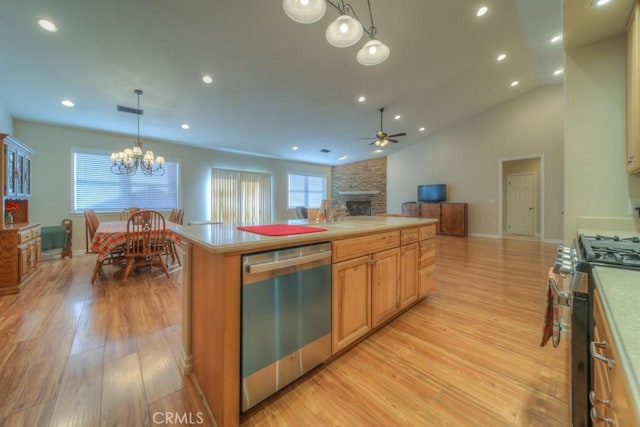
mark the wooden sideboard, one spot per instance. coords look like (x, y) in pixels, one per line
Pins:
(20, 239)
(453, 218)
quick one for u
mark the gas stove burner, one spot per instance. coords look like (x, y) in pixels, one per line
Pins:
(634, 239)
(611, 250)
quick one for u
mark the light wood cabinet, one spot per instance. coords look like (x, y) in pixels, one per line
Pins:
(375, 277)
(385, 279)
(610, 396)
(16, 165)
(633, 93)
(350, 301)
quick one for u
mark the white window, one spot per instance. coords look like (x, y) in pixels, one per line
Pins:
(240, 197)
(306, 190)
(96, 187)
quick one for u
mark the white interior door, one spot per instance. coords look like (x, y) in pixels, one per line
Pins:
(521, 204)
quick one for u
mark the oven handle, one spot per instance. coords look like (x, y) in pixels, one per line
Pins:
(595, 417)
(598, 356)
(559, 297)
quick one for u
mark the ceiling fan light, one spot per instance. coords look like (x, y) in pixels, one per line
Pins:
(345, 31)
(305, 11)
(373, 52)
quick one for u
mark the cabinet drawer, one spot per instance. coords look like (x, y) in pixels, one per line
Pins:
(25, 235)
(427, 253)
(409, 235)
(35, 232)
(357, 246)
(428, 232)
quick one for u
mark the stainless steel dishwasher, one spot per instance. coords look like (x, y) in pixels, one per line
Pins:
(286, 317)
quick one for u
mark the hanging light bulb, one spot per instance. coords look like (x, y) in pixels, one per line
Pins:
(373, 52)
(345, 31)
(305, 11)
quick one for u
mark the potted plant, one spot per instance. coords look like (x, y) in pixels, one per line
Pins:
(9, 208)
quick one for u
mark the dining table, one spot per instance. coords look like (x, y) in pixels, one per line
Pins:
(111, 234)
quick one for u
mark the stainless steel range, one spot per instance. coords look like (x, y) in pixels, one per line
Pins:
(575, 264)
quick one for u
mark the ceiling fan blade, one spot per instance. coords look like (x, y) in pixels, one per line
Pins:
(392, 140)
(366, 137)
(397, 134)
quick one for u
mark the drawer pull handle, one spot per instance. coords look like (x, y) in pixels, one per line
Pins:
(598, 356)
(595, 399)
(595, 417)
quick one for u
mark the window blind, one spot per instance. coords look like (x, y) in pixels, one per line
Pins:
(240, 197)
(96, 187)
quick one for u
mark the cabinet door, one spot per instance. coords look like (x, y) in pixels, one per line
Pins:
(633, 96)
(454, 219)
(26, 177)
(351, 302)
(19, 173)
(385, 293)
(432, 210)
(24, 262)
(411, 209)
(10, 169)
(408, 274)
(426, 281)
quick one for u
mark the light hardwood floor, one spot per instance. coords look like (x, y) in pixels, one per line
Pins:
(74, 354)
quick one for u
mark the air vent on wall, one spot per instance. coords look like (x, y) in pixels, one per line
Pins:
(131, 110)
(324, 150)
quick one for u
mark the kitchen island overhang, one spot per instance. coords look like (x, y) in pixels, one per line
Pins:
(395, 252)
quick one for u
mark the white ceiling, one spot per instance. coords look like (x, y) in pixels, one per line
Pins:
(277, 83)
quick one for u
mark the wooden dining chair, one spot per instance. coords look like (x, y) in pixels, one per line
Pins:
(146, 241)
(176, 217)
(92, 222)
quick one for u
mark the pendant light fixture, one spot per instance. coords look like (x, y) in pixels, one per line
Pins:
(344, 31)
(128, 161)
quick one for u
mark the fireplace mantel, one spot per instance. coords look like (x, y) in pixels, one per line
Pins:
(357, 193)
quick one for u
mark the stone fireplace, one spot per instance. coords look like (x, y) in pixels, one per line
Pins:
(359, 207)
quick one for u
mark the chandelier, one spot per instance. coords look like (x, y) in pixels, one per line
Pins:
(345, 31)
(128, 162)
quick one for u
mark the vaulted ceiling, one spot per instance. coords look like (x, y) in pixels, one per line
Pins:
(276, 83)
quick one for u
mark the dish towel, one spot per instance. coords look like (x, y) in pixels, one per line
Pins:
(280, 229)
(551, 322)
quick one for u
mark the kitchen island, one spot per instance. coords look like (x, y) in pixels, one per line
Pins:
(381, 266)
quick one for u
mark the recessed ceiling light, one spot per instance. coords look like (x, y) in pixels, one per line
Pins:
(397, 117)
(48, 25)
(379, 150)
(556, 39)
(185, 126)
(362, 99)
(599, 3)
(422, 129)
(482, 11)
(515, 83)
(207, 79)
(501, 57)
(558, 72)
(67, 103)
(342, 158)
(294, 148)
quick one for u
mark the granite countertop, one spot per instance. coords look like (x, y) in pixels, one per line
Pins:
(619, 290)
(226, 238)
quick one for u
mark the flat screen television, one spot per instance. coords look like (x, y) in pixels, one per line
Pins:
(432, 193)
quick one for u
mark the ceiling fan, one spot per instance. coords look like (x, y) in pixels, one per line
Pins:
(382, 138)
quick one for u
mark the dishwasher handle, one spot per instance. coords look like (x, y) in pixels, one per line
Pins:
(277, 265)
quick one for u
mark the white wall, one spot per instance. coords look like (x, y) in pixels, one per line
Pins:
(596, 181)
(52, 171)
(6, 124)
(467, 158)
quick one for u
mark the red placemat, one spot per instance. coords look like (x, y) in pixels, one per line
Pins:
(280, 229)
